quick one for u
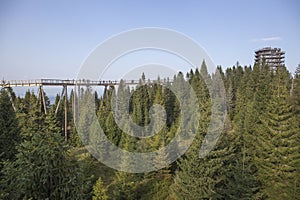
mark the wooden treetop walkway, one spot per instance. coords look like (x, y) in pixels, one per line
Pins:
(60, 82)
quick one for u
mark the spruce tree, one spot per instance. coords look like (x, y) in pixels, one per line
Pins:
(242, 177)
(43, 169)
(202, 177)
(278, 144)
(99, 191)
(9, 130)
(295, 92)
(30, 116)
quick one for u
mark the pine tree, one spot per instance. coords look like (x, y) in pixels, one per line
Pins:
(42, 168)
(141, 104)
(125, 183)
(99, 191)
(261, 80)
(161, 179)
(86, 116)
(242, 177)
(113, 132)
(241, 181)
(230, 100)
(59, 111)
(9, 130)
(29, 114)
(278, 144)
(295, 92)
(171, 104)
(201, 178)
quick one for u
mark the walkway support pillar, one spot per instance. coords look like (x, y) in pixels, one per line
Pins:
(66, 113)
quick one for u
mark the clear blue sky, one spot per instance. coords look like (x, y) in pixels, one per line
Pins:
(51, 39)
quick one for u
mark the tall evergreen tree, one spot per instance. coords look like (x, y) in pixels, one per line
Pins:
(30, 116)
(242, 177)
(200, 178)
(278, 144)
(9, 130)
(295, 92)
(42, 169)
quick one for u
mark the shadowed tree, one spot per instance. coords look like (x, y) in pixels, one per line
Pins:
(9, 130)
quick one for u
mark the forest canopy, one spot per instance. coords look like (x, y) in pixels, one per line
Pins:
(257, 155)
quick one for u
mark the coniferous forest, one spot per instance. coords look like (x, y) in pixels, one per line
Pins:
(256, 157)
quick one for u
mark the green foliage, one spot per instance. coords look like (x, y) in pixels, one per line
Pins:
(9, 130)
(200, 178)
(30, 116)
(242, 177)
(99, 191)
(256, 157)
(278, 144)
(43, 169)
(295, 92)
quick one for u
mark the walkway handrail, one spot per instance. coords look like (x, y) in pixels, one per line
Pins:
(68, 82)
